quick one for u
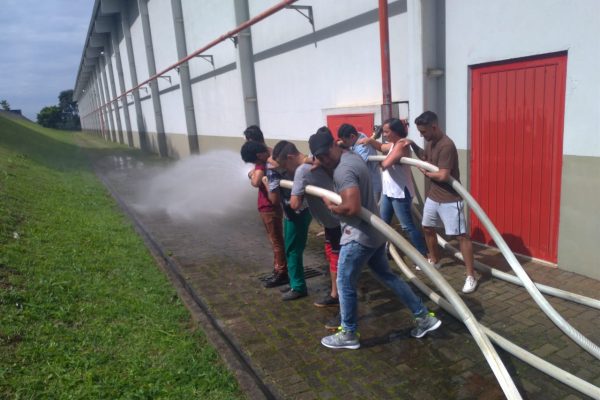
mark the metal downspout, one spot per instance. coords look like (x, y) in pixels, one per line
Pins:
(246, 64)
(141, 128)
(384, 44)
(158, 117)
(184, 78)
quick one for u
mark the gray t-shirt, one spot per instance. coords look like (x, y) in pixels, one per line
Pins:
(352, 171)
(303, 177)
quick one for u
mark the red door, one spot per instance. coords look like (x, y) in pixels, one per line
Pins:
(517, 111)
(362, 122)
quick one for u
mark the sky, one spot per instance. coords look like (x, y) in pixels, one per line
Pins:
(41, 43)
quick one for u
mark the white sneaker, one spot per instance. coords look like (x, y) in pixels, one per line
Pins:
(470, 284)
(437, 265)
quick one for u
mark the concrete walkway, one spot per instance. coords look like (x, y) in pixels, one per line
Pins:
(222, 258)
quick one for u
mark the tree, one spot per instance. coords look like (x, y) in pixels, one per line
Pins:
(50, 117)
(62, 116)
(70, 113)
(4, 105)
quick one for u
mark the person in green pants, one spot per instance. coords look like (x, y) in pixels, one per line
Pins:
(295, 224)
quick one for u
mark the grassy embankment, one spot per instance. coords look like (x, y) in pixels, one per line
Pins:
(84, 310)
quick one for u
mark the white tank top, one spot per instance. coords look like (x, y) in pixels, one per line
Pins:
(395, 178)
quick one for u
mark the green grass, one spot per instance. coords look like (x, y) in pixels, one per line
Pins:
(84, 311)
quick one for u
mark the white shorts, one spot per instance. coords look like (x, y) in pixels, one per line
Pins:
(450, 214)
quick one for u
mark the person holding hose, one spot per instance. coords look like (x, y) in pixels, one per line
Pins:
(360, 243)
(443, 204)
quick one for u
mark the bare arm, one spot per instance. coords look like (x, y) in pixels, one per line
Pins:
(400, 150)
(350, 205)
(296, 202)
(443, 175)
(274, 195)
(376, 144)
(256, 177)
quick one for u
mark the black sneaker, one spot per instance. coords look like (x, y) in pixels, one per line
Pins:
(333, 323)
(328, 301)
(293, 295)
(277, 280)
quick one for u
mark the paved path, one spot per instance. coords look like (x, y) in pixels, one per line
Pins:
(223, 256)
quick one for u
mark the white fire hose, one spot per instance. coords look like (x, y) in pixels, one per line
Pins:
(524, 355)
(502, 375)
(528, 284)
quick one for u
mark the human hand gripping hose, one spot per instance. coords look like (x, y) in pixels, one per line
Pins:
(488, 350)
(528, 284)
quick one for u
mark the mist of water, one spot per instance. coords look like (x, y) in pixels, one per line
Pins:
(215, 183)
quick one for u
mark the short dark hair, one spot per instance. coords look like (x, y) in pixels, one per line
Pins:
(254, 133)
(397, 127)
(345, 130)
(251, 149)
(324, 129)
(284, 148)
(427, 118)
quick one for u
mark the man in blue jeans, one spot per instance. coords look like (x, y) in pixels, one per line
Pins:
(360, 243)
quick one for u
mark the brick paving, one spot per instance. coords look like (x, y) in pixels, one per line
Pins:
(223, 256)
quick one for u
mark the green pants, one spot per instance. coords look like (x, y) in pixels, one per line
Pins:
(295, 233)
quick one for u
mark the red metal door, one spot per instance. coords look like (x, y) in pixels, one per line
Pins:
(517, 111)
(362, 122)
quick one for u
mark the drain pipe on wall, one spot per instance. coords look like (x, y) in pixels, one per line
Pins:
(533, 291)
(384, 44)
(488, 350)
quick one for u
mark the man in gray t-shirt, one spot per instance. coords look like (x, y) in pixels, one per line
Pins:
(307, 174)
(360, 243)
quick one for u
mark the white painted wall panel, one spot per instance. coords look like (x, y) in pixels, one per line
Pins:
(148, 112)
(173, 114)
(289, 24)
(139, 48)
(205, 23)
(163, 39)
(125, 63)
(399, 67)
(511, 29)
(219, 107)
(294, 87)
(133, 118)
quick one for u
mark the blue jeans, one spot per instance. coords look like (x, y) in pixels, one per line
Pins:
(401, 207)
(353, 256)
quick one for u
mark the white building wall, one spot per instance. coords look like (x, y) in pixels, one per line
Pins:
(218, 105)
(205, 23)
(514, 28)
(294, 87)
(298, 88)
(125, 63)
(165, 55)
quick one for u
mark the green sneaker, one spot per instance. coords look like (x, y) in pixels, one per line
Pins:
(341, 340)
(425, 324)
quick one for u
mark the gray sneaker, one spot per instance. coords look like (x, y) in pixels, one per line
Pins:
(425, 324)
(341, 340)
